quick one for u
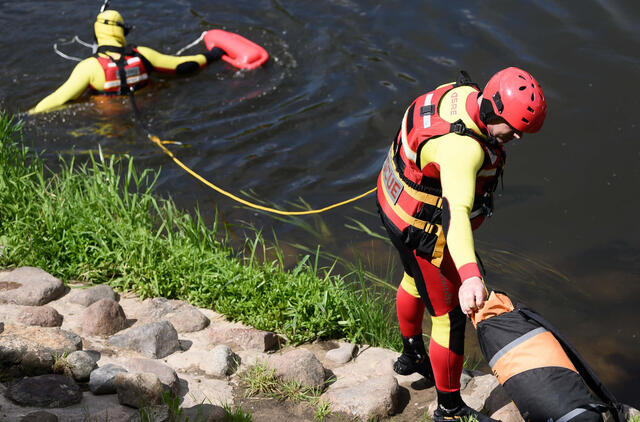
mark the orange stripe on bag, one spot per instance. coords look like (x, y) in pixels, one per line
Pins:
(540, 351)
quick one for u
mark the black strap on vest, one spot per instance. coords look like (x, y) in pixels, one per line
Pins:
(587, 374)
(465, 79)
(120, 63)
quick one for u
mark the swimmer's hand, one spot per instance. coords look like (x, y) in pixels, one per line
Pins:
(214, 54)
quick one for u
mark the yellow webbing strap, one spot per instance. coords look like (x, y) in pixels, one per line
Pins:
(159, 143)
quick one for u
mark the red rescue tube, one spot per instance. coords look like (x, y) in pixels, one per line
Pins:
(241, 52)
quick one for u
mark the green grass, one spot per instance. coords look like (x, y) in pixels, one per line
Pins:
(100, 221)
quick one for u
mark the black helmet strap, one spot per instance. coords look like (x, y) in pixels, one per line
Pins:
(486, 111)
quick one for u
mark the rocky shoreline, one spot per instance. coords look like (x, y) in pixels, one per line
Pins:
(86, 354)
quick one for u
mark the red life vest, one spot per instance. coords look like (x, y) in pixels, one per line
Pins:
(412, 198)
(134, 71)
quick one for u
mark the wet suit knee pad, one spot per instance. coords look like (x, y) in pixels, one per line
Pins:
(409, 285)
(446, 349)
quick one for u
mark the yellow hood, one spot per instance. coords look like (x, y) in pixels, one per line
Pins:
(107, 30)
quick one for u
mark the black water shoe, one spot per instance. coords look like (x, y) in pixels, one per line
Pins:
(462, 413)
(413, 358)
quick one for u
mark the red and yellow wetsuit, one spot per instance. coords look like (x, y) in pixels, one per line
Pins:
(433, 190)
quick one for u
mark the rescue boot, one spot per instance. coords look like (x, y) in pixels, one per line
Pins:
(413, 358)
(462, 413)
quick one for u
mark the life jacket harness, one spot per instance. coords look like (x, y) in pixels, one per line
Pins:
(124, 74)
(416, 200)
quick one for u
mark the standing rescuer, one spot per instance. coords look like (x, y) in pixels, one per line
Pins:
(435, 187)
(118, 66)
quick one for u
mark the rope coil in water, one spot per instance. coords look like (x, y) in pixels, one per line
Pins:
(159, 143)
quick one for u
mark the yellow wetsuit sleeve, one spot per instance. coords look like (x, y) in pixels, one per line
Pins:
(169, 64)
(74, 86)
(459, 158)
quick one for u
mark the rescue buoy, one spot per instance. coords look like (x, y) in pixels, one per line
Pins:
(543, 374)
(241, 52)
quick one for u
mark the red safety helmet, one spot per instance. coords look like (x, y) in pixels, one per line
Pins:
(518, 98)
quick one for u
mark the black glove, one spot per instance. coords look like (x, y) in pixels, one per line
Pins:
(214, 54)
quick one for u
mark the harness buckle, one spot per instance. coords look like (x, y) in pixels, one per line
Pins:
(458, 127)
(427, 110)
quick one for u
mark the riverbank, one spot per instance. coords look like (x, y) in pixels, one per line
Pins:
(92, 355)
(100, 222)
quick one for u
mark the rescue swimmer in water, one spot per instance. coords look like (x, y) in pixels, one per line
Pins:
(435, 187)
(118, 68)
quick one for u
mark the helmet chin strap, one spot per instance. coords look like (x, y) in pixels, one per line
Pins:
(486, 115)
(486, 111)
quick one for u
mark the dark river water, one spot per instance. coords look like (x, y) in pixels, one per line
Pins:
(316, 122)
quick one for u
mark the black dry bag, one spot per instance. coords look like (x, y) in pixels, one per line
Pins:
(543, 374)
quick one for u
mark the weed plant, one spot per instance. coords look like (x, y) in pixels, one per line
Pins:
(99, 221)
(261, 380)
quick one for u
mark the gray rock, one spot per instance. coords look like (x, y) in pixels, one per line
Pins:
(112, 414)
(138, 390)
(102, 380)
(40, 416)
(478, 391)
(87, 297)
(34, 348)
(29, 286)
(37, 362)
(165, 373)
(372, 399)
(465, 378)
(43, 316)
(45, 391)
(188, 319)
(220, 362)
(299, 365)
(103, 318)
(155, 340)
(508, 413)
(156, 308)
(245, 338)
(343, 354)
(81, 364)
(631, 412)
(204, 412)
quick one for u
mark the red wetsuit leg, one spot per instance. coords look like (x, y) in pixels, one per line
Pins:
(442, 290)
(410, 312)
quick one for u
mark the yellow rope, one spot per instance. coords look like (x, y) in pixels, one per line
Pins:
(158, 142)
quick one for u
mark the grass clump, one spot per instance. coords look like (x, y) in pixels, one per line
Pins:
(100, 221)
(261, 380)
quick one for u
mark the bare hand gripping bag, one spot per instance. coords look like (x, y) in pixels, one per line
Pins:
(543, 374)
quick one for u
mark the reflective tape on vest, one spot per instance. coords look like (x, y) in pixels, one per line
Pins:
(390, 181)
(426, 119)
(411, 155)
